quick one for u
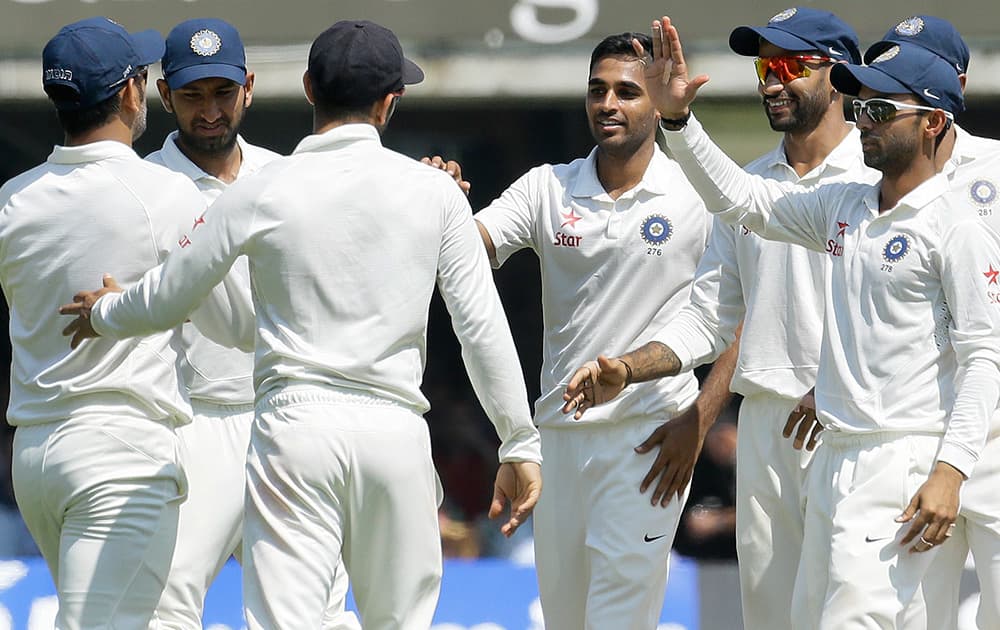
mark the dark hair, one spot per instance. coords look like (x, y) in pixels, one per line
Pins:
(76, 122)
(620, 46)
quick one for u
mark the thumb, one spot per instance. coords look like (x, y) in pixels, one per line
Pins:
(109, 282)
(498, 502)
(695, 84)
(604, 364)
(910, 510)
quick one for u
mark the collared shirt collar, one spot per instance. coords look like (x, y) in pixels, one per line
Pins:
(589, 186)
(923, 195)
(90, 152)
(174, 159)
(337, 137)
(842, 158)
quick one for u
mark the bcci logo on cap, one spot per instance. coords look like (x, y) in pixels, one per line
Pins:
(784, 15)
(910, 27)
(983, 192)
(896, 249)
(890, 53)
(656, 229)
(205, 43)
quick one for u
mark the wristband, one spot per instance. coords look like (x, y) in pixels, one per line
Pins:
(676, 124)
(628, 374)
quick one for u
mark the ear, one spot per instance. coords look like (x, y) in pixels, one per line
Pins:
(165, 97)
(248, 90)
(307, 86)
(383, 109)
(132, 95)
(937, 123)
(961, 79)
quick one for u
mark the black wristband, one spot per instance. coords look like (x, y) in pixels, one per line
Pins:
(676, 124)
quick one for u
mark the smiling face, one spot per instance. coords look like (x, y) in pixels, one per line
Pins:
(621, 116)
(797, 105)
(209, 112)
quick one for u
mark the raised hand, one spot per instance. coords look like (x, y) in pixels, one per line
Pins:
(666, 75)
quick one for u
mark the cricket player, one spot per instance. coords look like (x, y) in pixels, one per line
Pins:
(96, 470)
(909, 368)
(207, 88)
(618, 235)
(973, 165)
(778, 288)
(343, 267)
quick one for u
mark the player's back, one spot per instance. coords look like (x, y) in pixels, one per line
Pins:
(87, 211)
(344, 252)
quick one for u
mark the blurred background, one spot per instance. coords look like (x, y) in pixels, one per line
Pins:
(504, 92)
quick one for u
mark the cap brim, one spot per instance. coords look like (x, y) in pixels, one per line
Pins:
(149, 45)
(411, 72)
(193, 73)
(745, 40)
(849, 79)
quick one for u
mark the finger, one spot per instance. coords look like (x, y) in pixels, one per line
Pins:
(71, 328)
(71, 309)
(465, 186)
(109, 283)
(793, 419)
(77, 339)
(910, 510)
(916, 528)
(425, 160)
(656, 437)
(657, 36)
(637, 48)
(667, 488)
(655, 470)
(803, 432)
(921, 545)
(498, 502)
(935, 532)
(814, 436)
(575, 385)
(583, 405)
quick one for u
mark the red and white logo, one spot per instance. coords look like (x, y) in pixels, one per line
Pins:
(199, 221)
(184, 242)
(841, 228)
(991, 275)
(570, 218)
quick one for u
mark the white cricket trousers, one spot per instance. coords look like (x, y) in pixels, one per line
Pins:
(853, 573)
(602, 550)
(100, 496)
(332, 473)
(977, 529)
(770, 510)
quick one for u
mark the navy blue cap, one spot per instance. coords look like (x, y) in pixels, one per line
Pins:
(800, 29)
(933, 33)
(359, 62)
(203, 48)
(904, 68)
(94, 58)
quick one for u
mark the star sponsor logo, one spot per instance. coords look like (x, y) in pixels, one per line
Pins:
(991, 275)
(569, 218)
(656, 229)
(841, 228)
(199, 221)
(184, 241)
(896, 249)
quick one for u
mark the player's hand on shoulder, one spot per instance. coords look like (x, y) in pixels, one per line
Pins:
(451, 167)
(594, 383)
(81, 328)
(520, 484)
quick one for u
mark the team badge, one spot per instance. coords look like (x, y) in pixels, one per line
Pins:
(910, 26)
(897, 248)
(205, 43)
(983, 192)
(656, 229)
(890, 53)
(784, 15)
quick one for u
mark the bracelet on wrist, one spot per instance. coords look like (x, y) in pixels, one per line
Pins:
(628, 373)
(676, 124)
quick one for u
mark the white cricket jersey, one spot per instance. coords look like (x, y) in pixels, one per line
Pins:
(909, 298)
(613, 273)
(742, 274)
(88, 210)
(212, 372)
(346, 240)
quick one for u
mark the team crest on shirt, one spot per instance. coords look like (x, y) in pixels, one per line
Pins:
(896, 249)
(983, 192)
(910, 26)
(206, 43)
(784, 15)
(656, 229)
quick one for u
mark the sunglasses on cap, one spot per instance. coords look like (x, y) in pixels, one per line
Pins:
(880, 110)
(786, 67)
